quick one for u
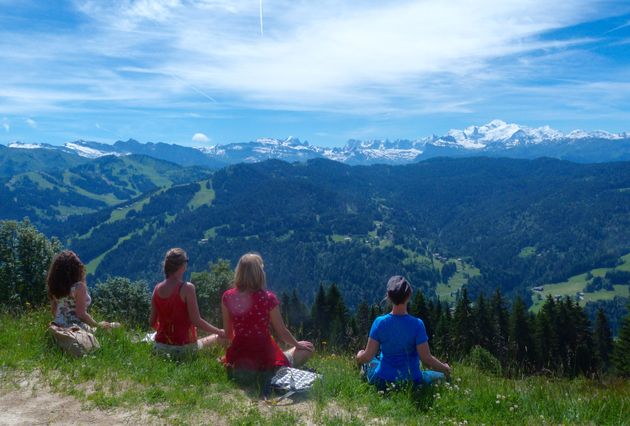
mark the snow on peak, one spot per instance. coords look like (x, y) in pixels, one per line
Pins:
(22, 145)
(85, 151)
(598, 134)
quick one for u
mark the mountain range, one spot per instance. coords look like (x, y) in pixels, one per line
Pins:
(495, 139)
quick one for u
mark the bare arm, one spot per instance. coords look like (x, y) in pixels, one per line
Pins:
(283, 332)
(430, 361)
(53, 307)
(371, 349)
(227, 322)
(80, 297)
(190, 296)
(153, 320)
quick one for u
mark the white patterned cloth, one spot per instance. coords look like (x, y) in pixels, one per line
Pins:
(66, 313)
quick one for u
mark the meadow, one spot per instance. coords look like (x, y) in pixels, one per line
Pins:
(575, 284)
(125, 376)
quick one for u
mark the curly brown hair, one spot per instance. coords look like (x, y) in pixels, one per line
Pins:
(65, 270)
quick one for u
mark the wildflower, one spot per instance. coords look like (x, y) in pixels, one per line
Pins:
(511, 408)
(459, 379)
(497, 402)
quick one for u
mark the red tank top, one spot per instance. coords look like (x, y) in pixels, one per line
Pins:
(173, 325)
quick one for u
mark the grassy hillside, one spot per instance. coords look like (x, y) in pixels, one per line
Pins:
(50, 197)
(17, 161)
(575, 285)
(126, 376)
(515, 223)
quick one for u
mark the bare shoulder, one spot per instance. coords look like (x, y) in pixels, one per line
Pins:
(188, 288)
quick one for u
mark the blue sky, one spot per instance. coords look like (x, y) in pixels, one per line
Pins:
(324, 71)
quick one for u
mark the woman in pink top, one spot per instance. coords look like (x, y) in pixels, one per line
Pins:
(174, 310)
(248, 310)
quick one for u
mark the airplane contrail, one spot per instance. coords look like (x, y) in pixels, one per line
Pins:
(262, 32)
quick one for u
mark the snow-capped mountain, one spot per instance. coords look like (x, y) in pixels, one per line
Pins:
(81, 148)
(497, 138)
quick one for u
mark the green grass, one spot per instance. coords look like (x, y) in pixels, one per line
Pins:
(527, 252)
(338, 238)
(127, 376)
(577, 283)
(121, 212)
(109, 199)
(446, 292)
(37, 178)
(93, 264)
(203, 197)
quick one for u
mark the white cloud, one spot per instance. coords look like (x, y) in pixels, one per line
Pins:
(362, 57)
(200, 138)
(31, 123)
(5, 124)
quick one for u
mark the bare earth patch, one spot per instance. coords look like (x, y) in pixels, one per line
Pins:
(28, 402)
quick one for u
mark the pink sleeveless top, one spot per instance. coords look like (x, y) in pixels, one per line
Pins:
(173, 325)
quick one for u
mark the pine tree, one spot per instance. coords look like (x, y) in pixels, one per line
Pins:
(585, 361)
(483, 324)
(544, 335)
(602, 337)
(418, 309)
(520, 343)
(338, 314)
(285, 308)
(320, 316)
(565, 334)
(298, 313)
(363, 319)
(621, 354)
(463, 327)
(499, 315)
(443, 336)
(375, 311)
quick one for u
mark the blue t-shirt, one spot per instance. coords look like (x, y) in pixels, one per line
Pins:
(398, 336)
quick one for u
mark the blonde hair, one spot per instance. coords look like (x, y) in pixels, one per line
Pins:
(249, 273)
(173, 260)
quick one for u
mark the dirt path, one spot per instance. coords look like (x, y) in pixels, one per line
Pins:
(24, 403)
(27, 400)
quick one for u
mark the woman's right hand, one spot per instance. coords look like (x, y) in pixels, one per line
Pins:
(305, 346)
(104, 324)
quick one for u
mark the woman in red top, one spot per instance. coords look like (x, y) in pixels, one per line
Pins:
(248, 309)
(174, 310)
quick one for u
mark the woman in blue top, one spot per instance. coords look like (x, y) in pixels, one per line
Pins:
(402, 341)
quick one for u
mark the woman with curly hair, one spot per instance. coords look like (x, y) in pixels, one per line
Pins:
(68, 293)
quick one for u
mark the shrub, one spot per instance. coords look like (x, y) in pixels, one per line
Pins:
(122, 300)
(25, 255)
(210, 287)
(484, 361)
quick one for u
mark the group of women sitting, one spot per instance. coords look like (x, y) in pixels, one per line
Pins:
(396, 344)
